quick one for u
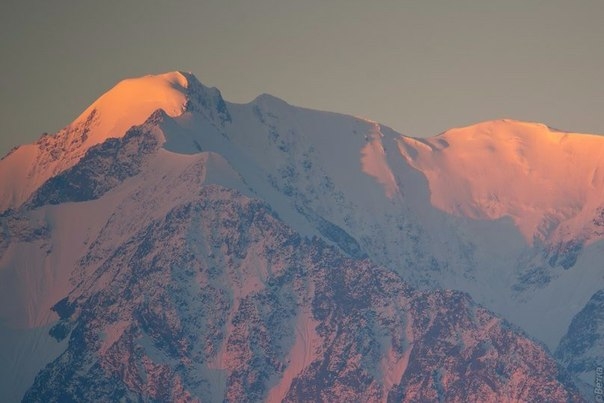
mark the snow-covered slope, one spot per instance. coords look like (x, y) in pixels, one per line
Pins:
(361, 186)
(219, 300)
(74, 205)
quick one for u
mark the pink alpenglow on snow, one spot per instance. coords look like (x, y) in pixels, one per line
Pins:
(169, 245)
(127, 104)
(527, 171)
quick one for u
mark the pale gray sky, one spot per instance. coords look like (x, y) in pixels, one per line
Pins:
(418, 66)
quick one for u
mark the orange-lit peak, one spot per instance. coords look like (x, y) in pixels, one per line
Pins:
(127, 104)
(501, 130)
(527, 171)
(131, 102)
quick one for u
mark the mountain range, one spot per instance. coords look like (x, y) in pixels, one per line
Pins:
(170, 245)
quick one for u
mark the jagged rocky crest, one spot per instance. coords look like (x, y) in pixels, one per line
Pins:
(103, 167)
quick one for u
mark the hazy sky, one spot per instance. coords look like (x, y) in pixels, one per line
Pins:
(418, 66)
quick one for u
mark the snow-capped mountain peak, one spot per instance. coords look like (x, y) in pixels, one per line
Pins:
(538, 176)
(131, 101)
(166, 229)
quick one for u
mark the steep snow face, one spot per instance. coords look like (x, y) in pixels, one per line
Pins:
(374, 162)
(549, 182)
(127, 104)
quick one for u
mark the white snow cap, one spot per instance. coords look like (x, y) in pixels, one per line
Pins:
(132, 100)
(527, 171)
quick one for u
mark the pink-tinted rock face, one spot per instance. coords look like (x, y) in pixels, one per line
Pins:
(219, 300)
